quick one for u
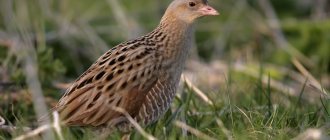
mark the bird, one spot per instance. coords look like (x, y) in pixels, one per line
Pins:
(140, 75)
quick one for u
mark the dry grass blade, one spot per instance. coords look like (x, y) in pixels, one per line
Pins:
(4, 127)
(192, 130)
(309, 76)
(8, 128)
(279, 37)
(196, 90)
(224, 129)
(2, 121)
(24, 49)
(240, 110)
(135, 124)
(274, 84)
(34, 132)
(282, 42)
(34, 85)
(57, 125)
(44, 128)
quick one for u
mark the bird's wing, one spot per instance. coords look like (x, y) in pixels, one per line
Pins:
(120, 78)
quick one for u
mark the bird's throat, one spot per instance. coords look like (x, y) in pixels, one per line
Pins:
(178, 36)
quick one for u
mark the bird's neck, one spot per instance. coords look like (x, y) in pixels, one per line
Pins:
(178, 36)
(176, 40)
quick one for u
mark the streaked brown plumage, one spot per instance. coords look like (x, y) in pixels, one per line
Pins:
(140, 76)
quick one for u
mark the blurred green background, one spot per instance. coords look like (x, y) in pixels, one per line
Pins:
(265, 64)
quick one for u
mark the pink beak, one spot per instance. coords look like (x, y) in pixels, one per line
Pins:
(208, 11)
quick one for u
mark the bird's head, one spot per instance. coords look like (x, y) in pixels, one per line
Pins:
(189, 10)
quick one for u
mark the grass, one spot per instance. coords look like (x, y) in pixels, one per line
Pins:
(257, 113)
(255, 89)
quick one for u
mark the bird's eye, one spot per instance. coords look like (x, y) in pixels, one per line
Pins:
(192, 4)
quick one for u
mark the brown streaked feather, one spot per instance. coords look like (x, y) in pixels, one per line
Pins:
(108, 83)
